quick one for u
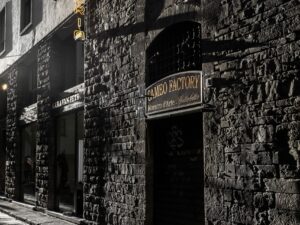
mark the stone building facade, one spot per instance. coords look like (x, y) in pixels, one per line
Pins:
(250, 50)
(231, 158)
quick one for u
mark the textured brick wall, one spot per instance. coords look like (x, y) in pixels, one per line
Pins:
(114, 173)
(115, 127)
(11, 184)
(44, 125)
(251, 140)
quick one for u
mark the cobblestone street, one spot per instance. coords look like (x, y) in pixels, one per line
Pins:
(6, 220)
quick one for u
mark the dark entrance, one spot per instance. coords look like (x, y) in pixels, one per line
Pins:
(178, 171)
(28, 155)
(175, 180)
(2, 155)
(69, 163)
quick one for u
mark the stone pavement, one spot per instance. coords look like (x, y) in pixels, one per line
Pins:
(7, 220)
(30, 216)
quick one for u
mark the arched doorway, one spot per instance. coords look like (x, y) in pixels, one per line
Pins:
(175, 190)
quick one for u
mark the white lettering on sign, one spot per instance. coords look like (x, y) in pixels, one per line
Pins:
(66, 101)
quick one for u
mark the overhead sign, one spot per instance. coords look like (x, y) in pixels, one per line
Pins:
(180, 90)
(66, 101)
(71, 99)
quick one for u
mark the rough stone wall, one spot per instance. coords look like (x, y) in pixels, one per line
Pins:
(44, 124)
(11, 190)
(252, 138)
(114, 173)
(115, 128)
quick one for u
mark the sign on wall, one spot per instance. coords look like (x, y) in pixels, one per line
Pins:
(72, 99)
(180, 90)
(28, 114)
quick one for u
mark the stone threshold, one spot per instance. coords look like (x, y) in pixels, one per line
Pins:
(36, 216)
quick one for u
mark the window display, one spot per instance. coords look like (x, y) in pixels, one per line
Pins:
(69, 161)
(28, 148)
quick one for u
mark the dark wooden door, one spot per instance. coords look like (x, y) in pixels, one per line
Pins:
(178, 171)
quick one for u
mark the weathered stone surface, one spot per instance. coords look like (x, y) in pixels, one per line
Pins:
(251, 139)
(44, 124)
(277, 217)
(11, 187)
(259, 134)
(287, 201)
(290, 186)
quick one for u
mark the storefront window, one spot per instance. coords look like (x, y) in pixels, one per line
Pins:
(69, 162)
(68, 64)
(28, 83)
(28, 137)
(2, 155)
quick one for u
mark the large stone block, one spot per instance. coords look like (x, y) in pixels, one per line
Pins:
(287, 201)
(290, 186)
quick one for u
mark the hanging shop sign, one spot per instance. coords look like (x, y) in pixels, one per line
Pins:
(71, 99)
(28, 114)
(79, 34)
(177, 91)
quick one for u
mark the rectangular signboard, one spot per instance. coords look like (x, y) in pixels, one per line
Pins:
(69, 100)
(28, 114)
(177, 91)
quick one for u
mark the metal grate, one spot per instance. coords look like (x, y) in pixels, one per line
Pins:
(176, 49)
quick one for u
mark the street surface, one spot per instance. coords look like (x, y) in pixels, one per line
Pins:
(6, 220)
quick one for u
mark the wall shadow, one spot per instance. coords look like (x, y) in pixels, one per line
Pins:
(213, 51)
(153, 9)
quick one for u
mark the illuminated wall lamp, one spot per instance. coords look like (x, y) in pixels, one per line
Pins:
(79, 35)
(4, 87)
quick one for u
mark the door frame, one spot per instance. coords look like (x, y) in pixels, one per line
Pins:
(20, 158)
(150, 148)
(75, 194)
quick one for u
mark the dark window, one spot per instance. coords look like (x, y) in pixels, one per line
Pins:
(176, 49)
(28, 144)
(2, 30)
(26, 15)
(68, 64)
(69, 162)
(28, 83)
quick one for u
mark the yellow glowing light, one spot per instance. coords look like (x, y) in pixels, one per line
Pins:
(4, 87)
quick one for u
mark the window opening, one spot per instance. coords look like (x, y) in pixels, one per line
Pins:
(26, 15)
(28, 83)
(176, 49)
(2, 30)
(28, 136)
